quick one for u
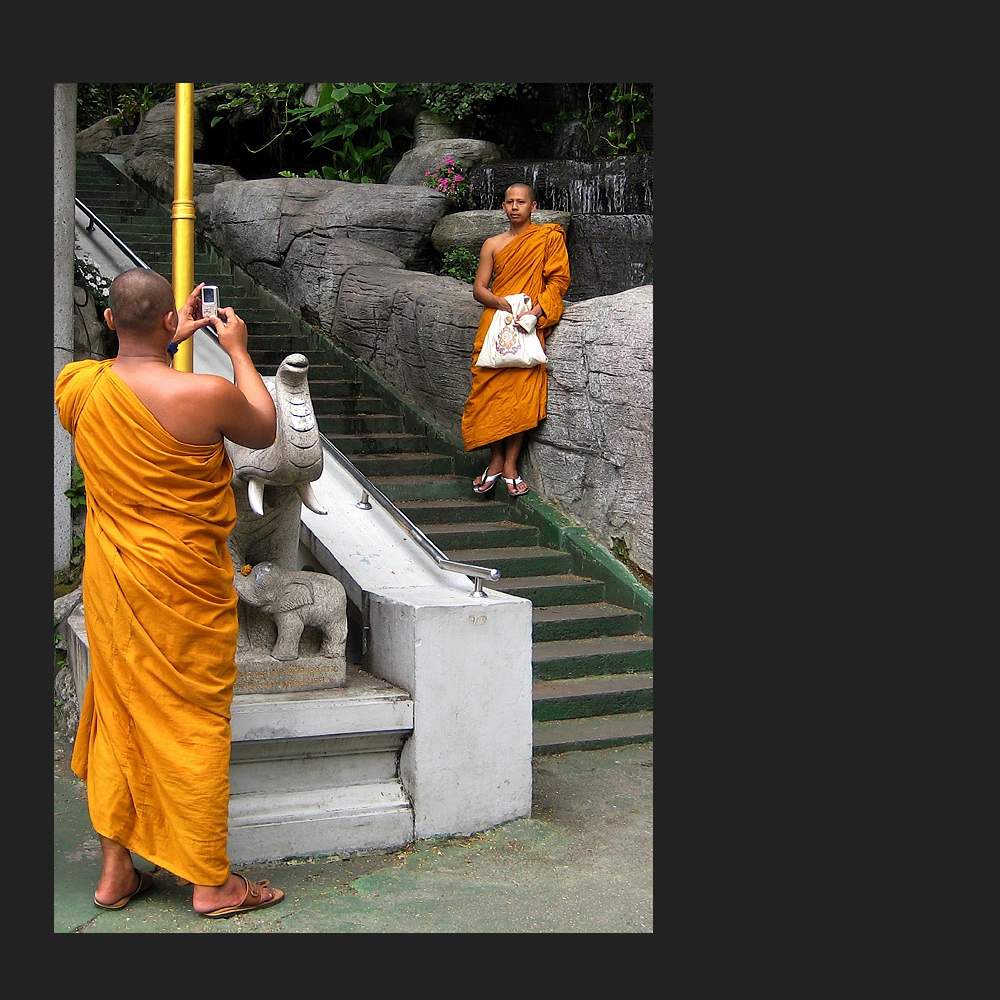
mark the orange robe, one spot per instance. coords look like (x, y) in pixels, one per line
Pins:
(504, 401)
(154, 739)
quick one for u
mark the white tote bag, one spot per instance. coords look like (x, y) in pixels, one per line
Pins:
(508, 345)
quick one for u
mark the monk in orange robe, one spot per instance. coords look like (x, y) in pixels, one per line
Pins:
(504, 403)
(154, 738)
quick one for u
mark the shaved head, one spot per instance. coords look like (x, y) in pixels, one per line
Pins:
(528, 189)
(139, 299)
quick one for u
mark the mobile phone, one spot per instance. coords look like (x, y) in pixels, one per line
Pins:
(209, 300)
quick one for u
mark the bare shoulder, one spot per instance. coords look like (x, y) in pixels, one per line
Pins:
(489, 246)
(193, 406)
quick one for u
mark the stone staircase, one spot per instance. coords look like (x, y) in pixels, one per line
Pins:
(592, 655)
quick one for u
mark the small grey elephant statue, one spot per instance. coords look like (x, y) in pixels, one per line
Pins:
(294, 599)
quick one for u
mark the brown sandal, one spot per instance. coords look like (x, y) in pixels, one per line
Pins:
(252, 900)
(145, 882)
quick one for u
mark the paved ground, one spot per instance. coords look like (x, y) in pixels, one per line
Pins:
(582, 863)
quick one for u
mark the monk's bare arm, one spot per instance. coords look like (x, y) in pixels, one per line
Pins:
(481, 291)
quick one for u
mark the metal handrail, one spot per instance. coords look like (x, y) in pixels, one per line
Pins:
(95, 221)
(477, 574)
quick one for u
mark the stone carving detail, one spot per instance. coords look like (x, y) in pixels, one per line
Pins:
(276, 652)
(295, 599)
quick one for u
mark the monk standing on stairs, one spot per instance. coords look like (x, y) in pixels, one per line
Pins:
(505, 403)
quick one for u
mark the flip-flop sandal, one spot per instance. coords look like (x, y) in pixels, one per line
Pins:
(253, 893)
(145, 882)
(516, 492)
(486, 483)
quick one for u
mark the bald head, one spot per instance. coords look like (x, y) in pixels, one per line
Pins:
(139, 299)
(529, 191)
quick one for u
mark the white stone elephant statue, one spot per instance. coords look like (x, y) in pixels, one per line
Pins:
(271, 484)
(294, 599)
(278, 600)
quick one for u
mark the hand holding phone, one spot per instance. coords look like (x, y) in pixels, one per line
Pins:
(209, 301)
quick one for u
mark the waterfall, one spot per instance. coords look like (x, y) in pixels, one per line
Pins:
(615, 186)
(610, 201)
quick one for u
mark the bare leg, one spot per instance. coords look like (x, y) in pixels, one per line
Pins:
(118, 876)
(511, 452)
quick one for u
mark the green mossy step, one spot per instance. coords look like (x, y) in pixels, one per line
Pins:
(517, 560)
(449, 511)
(550, 589)
(588, 657)
(580, 697)
(561, 735)
(481, 534)
(582, 621)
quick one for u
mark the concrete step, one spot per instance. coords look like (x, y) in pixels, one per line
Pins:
(582, 697)
(427, 513)
(587, 657)
(334, 406)
(550, 589)
(480, 534)
(310, 771)
(417, 486)
(381, 447)
(270, 334)
(317, 771)
(582, 621)
(517, 560)
(368, 426)
(333, 386)
(561, 735)
(424, 466)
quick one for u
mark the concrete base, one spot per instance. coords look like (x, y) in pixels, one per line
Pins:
(318, 772)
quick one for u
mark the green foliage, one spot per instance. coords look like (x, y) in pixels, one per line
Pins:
(347, 124)
(77, 491)
(630, 104)
(126, 102)
(464, 102)
(610, 115)
(460, 263)
(86, 275)
(273, 103)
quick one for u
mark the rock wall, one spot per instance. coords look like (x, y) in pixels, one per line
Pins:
(338, 253)
(355, 261)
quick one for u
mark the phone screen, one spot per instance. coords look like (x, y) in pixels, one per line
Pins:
(210, 301)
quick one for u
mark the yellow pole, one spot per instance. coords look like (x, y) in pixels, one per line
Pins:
(182, 214)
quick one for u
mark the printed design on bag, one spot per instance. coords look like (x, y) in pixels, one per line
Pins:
(508, 339)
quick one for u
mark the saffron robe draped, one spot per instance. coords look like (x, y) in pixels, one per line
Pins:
(504, 401)
(154, 739)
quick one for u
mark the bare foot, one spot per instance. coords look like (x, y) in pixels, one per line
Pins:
(235, 891)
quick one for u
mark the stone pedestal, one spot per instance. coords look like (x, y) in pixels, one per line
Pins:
(263, 674)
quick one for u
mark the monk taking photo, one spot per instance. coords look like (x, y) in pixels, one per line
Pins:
(154, 738)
